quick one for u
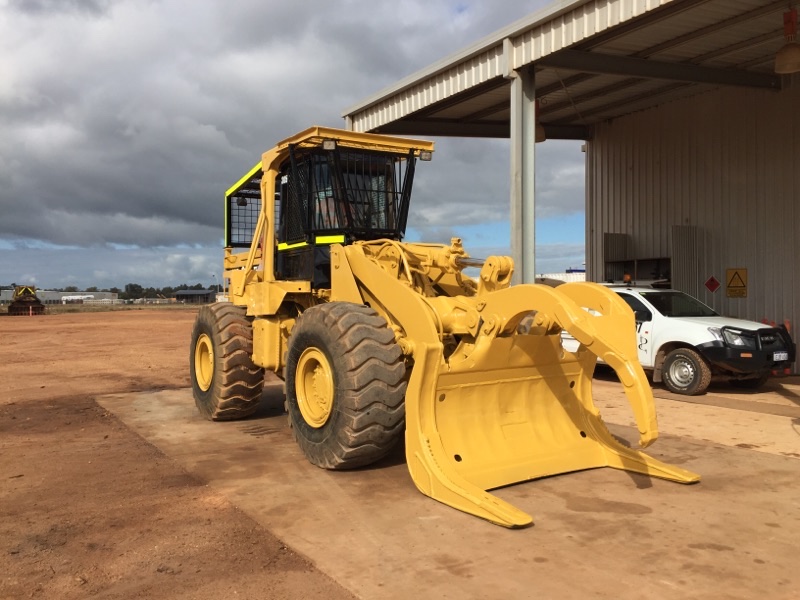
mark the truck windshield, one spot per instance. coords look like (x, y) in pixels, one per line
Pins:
(677, 304)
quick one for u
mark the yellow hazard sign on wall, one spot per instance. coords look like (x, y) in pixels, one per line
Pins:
(736, 283)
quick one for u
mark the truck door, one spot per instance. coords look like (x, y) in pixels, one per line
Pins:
(644, 328)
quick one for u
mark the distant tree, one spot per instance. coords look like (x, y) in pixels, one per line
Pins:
(133, 291)
(198, 286)
(92, 289)
(71, 289)
(113, 290)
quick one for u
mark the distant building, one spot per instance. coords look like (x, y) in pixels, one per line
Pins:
(51, 297)
(76, 298)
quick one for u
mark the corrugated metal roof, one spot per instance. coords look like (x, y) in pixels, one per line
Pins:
(594, 59)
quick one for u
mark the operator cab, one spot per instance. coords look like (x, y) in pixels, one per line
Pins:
(324, 194)
(335, 195)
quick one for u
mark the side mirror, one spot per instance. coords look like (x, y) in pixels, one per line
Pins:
(643, 316)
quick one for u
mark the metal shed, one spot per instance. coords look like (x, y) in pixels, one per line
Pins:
(692, 151)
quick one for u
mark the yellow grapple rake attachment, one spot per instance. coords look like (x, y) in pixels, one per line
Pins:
(516, 406)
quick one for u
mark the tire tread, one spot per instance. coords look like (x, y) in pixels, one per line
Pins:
(370, 395)
(237, 385)
(704, 373)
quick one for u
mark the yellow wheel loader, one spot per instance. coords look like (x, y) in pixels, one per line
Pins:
(377, 339)
(25, 302)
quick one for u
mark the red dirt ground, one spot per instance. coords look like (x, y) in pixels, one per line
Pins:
(88, 508)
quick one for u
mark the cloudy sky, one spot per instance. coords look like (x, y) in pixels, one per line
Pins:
(122, 122)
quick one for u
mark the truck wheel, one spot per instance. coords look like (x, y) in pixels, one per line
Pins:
(226, 384)
(345, 385)
(752, 383)
(686, 372)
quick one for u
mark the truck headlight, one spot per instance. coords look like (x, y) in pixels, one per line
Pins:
(715, 331)
(737, 338)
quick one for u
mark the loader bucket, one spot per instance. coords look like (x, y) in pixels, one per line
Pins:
(519, 407)
(509, 406)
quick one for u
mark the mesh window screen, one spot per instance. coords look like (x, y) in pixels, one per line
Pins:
(362, 194)
(243, 210)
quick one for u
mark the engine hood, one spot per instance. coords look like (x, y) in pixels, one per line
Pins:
(723, 322)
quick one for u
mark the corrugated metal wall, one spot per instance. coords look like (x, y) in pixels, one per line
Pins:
(685, 268)
(726, 163)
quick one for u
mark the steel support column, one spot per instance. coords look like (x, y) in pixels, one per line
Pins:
(523, 179)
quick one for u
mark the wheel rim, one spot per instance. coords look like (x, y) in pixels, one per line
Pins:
(314, 387)
(682, 372)
(204, 362)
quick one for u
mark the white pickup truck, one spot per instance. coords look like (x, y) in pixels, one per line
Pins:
(683, 342)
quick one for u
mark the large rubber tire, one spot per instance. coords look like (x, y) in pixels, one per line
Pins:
(686, 372)
(752, 383)
(345, 385)
(226, 384)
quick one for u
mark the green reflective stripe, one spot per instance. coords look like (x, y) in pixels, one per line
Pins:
(330, 239)
(285, 246)
(250, 174)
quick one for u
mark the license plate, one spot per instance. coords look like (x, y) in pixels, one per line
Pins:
(780, 356)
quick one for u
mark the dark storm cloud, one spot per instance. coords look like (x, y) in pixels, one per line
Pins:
(124, 122)
(155, 266)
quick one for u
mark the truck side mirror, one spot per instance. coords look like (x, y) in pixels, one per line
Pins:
(643, 315)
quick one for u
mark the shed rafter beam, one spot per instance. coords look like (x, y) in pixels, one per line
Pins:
(588, 96)
(558, 131)
(623, 107)
(458, 128)
(543, 91)
(446, 127)
(771, 36)
(713, 28)
(766, 58)
(671, 43)
(605, 64)
(488, 111)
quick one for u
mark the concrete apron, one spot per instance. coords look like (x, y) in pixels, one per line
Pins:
(599, 533)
